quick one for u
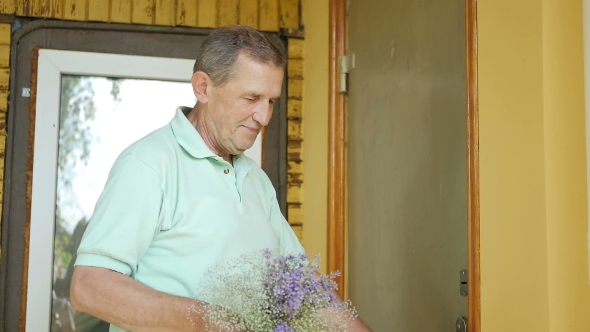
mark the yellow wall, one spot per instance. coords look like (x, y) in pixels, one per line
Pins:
(534, 248)
(565, 166)
(315, 130)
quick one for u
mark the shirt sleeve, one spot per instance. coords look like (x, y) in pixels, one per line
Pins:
(125, 219)
(287, 238)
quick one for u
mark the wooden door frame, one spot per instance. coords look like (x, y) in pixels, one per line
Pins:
(337, 157)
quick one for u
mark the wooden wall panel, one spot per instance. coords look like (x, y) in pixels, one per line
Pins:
(50, 8)
(295, 147)
(28, 8)
(294, 166)
(295, 177)
(295, 182)
(295, 88)
(165, 12)
(249, 13)
(34, 7)
(289, 14)
(4, 79)
(5, 39)
(294, 193)
(294, 109)
(4, 56)
(38, 5)
(142, 12)
(268, 19)
(295, 131)
(75, 10)
(186, 13)
(98, 10)
(40, 8)
(298, 230)
(7, 6)
(266, 15)
(295, 48)
(121, 11)
(227, 12)
(207, 14)
(295, 213)
(295, 68)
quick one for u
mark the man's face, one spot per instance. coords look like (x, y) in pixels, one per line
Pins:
(238, 109)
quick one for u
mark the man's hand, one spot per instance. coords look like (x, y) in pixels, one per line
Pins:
(335, 316)
(126, 303)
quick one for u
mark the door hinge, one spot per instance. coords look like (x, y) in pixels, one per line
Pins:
(346, 64)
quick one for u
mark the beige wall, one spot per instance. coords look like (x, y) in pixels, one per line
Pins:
(315, 129)
(534, 248)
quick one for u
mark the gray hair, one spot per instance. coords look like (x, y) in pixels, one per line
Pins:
(221, 48)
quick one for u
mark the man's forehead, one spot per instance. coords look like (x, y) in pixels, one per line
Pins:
(245, 58)
(250, 71)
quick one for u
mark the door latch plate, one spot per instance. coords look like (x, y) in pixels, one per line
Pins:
(463, 288)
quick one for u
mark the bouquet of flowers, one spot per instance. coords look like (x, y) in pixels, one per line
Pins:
(270, 291)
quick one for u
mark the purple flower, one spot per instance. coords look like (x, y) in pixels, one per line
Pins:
(266, 253)
(291, 282)
(283, 327)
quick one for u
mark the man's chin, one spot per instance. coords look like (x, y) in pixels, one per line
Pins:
(242, 148)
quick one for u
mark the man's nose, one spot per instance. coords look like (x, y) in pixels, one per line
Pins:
(263, 113)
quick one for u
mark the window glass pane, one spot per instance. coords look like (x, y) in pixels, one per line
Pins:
(99, 118)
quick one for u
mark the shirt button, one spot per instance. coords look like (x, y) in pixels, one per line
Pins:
(226, 171)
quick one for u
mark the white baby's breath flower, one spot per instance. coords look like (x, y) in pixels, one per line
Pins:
(268, 291)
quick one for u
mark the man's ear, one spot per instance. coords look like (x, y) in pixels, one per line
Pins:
(201, 83)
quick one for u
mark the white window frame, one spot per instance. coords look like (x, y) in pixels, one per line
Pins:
(52, 64)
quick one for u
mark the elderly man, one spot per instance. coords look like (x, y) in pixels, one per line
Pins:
(185, 197)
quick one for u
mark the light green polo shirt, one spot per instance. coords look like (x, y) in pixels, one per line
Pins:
(171, 209)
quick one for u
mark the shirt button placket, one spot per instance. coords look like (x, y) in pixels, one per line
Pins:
(227, 171)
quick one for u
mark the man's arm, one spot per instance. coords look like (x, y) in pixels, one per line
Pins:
(357, 325)
(126, 303)
(353, 325)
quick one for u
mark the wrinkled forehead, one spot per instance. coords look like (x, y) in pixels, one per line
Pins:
(245, 61)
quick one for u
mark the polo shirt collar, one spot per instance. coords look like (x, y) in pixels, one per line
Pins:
(187, 136)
